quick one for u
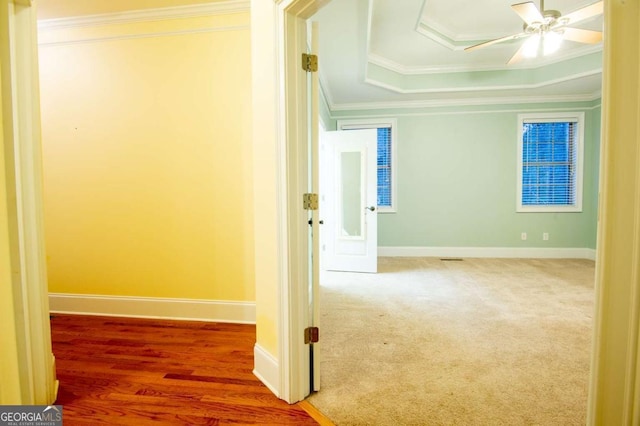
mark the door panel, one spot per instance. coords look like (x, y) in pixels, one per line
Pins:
(314, 246)
(348, 192)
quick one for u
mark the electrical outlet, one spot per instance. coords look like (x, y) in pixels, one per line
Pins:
(545, 236)
(523, 236)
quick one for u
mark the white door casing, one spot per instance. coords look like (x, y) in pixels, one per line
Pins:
(23, 163)
(292, 116)
(314, 287)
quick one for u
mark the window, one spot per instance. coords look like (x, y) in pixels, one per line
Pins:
(387, 182)
(550, 157)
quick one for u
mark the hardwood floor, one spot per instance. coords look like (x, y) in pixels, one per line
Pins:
(127, 371)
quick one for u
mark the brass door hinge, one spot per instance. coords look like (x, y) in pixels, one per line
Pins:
(310, 201)
(311, 335)
(309, 62)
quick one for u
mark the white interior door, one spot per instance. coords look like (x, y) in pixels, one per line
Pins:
(348, 200)
(314, 248)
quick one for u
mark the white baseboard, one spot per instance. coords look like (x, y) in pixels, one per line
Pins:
(266, 369)
(152, 307)
(590, 254)
(500, 252)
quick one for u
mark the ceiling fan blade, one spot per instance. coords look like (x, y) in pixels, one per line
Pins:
(518, 56)
(528, 11)
(497, 40)
(582, 14)
(582, 36)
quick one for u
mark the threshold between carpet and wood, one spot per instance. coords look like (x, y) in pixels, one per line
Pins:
(471, 342)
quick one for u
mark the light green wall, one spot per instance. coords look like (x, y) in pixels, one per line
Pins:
(457, 181)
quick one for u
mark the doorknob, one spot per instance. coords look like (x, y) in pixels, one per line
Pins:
(371, 208)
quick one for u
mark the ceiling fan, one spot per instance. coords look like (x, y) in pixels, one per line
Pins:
(545, 29)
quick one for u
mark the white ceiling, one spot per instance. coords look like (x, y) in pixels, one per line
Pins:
(387, 53)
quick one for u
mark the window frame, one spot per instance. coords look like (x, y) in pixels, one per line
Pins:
(376, 123)
(553, 117)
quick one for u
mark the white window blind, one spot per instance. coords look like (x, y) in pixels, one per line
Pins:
(550, 170)
(386, 157)
(548, 163)
(384, 167)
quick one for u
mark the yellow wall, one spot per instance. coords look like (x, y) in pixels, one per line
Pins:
(265, 100)
(147, 158)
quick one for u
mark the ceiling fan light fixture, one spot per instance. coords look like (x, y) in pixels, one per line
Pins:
(531, 46)
(544, 30)
(551, 42)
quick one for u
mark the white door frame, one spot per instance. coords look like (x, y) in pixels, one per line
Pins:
(291, 117)
(614, 394)
(23, 165)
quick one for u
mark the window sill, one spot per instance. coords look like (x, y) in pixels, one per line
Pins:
(549, 209)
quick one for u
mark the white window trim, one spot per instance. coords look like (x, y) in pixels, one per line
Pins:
(552, 117)
(374, 123)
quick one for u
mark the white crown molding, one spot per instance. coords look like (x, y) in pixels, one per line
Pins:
(483, 252)
(439, 38)
(143, 35)
(436, 112)
(153, 307)
(484, 88)
(177, 12)
(439, 103)
(432, 26)
(394, 66)
(369, 28)
(442, 113)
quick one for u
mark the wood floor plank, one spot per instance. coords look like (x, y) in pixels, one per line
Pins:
(154, 407)
(132, 371)
(237, 395)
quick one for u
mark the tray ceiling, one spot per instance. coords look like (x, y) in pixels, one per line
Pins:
(376, 53)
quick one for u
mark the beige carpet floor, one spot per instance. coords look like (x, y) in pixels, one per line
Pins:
(472, 342)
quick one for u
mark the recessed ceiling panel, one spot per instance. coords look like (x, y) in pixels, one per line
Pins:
(372, 50)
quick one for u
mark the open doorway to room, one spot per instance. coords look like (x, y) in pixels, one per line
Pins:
(457, 155)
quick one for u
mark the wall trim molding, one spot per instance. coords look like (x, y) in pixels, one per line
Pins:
(177, 12)
(466, 102)
(530, 85)
(396, 67)
(154, 307)
(266, 369)
(496, 252)
(145, 35)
